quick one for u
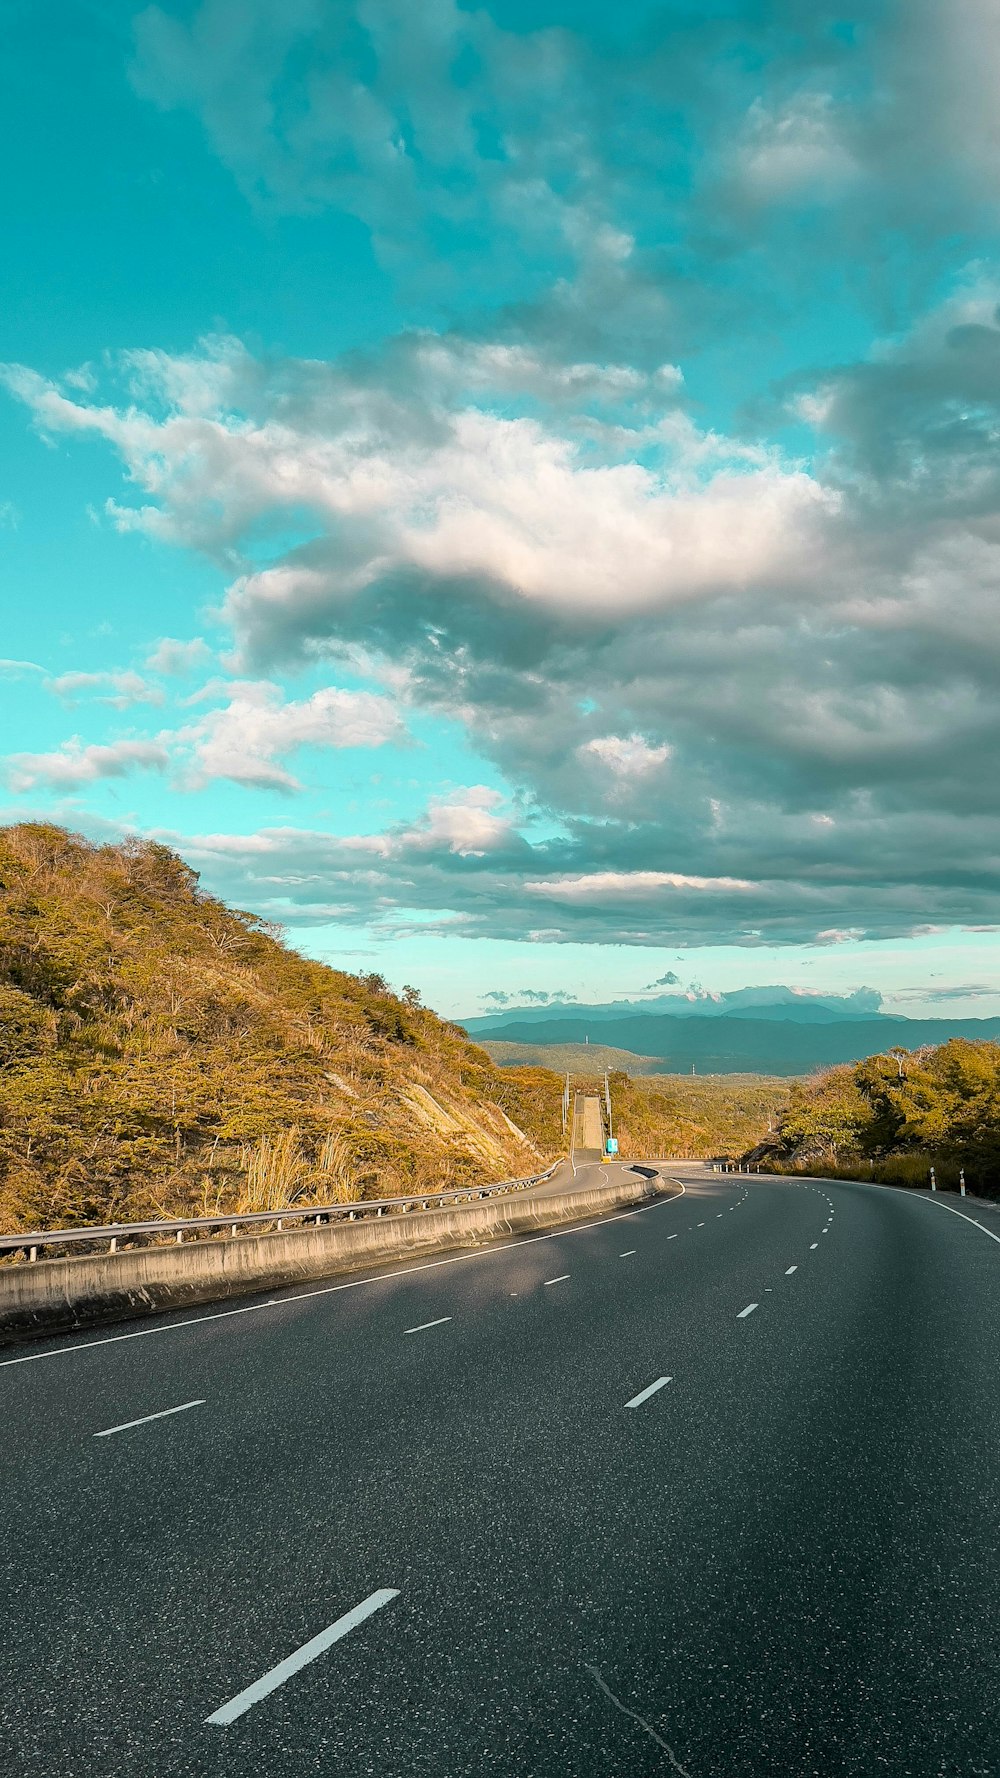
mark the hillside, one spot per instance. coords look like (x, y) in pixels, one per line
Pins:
(693, 1116)
(161, 1053)
(894, 1116)
(568, 1058)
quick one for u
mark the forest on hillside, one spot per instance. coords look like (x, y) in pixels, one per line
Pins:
(693, 1116)
(894, 1116)
(162, 1054)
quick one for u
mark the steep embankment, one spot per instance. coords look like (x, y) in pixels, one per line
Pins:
(161, 1053)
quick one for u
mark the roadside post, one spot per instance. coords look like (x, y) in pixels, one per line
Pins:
(933, 1181)
(961, 1180)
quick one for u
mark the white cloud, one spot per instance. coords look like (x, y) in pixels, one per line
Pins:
(177, 658)
(568, 597)
(613, 885)
(117, 689)
(509, 501)
(463, 824)
(247, 739)
(631, 757)
(74, 764)
(796, 148)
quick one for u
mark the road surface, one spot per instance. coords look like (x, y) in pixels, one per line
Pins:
(706, 1489)
(588, 1129)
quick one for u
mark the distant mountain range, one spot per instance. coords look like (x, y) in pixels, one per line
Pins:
(752, 1030)
(759, 1003)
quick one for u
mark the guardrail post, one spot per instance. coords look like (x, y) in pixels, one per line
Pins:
(32, 1252)
(180, 1236)
(113, 1244)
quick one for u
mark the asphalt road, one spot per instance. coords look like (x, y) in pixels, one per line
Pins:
(781, 1563)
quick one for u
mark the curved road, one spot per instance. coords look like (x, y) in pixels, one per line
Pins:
(780, 1563)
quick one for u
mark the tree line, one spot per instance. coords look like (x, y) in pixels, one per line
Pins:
(894, 1116)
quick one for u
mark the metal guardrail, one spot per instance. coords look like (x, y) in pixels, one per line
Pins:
(129, 1232)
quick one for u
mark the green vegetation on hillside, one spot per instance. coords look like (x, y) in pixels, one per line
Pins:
(162, 1054)
(894, 1116)
(693, 1116)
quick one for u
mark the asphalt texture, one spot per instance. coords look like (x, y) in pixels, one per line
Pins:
(782, 1563)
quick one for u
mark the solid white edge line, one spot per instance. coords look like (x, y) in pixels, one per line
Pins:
(431, 1265)
(747, 1311)
(560, 1280)
(163, 1414)
(424, 1325)
(981, 1226)
(318, 1645)
(644, 1394)
(902, 1191)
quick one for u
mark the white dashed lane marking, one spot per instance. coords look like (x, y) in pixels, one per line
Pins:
(644, 1394)
(163, 1414)
(309, 1651)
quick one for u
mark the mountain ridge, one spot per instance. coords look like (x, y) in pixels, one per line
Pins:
(735, 1045)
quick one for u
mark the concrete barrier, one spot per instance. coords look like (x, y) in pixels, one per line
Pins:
(67, 1295)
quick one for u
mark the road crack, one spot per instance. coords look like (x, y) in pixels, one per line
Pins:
(641, 1720)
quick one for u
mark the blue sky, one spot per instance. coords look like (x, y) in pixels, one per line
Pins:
(511, 491)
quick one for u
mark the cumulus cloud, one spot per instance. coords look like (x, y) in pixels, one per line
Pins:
(529, 997)
(631, 757)
(812, 651)
(463, 823)
(610, 886)
(118, 689)
(176, 658)
(245, 740)
(746, 688)
(457, 494)
(75, 764)
(248, 738)
(796, 149)
(670, 980)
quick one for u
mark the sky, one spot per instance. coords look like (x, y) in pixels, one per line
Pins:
(512, 491)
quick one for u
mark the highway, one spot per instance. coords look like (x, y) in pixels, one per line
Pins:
(707, 1488)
